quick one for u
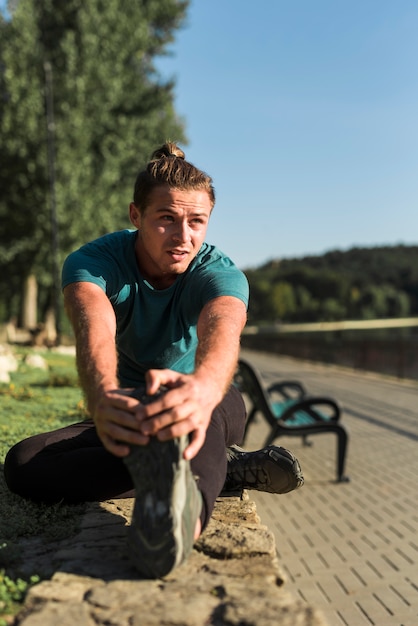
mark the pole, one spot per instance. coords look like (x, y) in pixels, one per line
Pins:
(49, 101)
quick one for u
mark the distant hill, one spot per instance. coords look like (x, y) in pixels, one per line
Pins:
(360, 283)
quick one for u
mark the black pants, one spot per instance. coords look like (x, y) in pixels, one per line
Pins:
(71, 464)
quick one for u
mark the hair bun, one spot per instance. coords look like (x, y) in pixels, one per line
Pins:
(169, 168)
(169, 149)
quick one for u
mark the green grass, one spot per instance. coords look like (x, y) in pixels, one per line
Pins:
(34, 401)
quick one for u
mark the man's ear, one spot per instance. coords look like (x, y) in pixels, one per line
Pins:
(135, 215)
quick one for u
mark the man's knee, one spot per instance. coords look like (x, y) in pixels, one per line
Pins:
(14, 468)
(231, 413)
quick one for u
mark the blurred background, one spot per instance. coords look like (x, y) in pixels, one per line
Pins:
(304, 114)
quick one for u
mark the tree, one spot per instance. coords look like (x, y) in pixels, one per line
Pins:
(361, 283)
(307, 307)
(111, 109)
(283, 300)
(261, 305)
(383, 301)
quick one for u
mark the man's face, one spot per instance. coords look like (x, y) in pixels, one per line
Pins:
(171, 232)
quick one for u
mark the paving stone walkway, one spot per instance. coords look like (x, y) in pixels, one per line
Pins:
(350, 549)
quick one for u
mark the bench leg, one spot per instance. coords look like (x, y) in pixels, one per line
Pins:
(341, 454)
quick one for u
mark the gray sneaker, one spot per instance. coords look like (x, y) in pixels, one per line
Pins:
(272, 469)
(167, 506)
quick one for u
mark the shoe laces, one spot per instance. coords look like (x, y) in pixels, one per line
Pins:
(245, 470)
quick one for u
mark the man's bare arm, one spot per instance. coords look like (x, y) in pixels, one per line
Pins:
(111, 408)
(219, 330)
(94, 323)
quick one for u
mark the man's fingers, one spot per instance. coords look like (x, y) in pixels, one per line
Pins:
(197, 437)
(156, 404)
(121, 401)
(187, 415)
(116, 448)
(115, 438)
(196, 442)
(156, 378)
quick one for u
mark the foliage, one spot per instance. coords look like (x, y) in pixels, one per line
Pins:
(12, 593)
(35, 401)
(361, 283)
(111, 109)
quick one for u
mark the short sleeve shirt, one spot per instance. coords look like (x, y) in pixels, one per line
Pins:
(156, 328)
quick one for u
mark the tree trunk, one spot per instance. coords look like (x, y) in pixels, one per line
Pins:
(51, 333)
(30, 303)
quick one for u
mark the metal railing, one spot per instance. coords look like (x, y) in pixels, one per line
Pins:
(311, 327)
(387, 346)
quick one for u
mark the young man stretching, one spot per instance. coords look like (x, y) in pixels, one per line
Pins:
(157, 315)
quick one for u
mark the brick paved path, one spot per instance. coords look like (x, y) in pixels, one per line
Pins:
(350, 549)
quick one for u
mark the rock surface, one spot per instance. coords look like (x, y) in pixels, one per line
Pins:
(232, 577)
(8, 363)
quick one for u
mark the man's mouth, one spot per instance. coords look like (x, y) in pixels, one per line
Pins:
(178, 255)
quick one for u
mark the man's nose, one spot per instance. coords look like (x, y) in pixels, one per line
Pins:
(181, 232)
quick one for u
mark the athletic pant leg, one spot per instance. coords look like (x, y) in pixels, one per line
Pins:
(69, 464)
(209, 465)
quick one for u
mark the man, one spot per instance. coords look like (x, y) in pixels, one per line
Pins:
(157, 315)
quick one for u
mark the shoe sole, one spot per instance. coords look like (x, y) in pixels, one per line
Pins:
(160, 477)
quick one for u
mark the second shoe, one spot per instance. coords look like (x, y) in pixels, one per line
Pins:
(273, 469)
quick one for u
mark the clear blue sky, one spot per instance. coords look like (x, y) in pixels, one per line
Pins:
(305, 112)
(306, 115)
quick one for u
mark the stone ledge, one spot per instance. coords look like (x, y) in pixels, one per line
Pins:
(232, 577)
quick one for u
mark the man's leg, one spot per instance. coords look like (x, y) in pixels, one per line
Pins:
(173, 495)
(210, 464)
(69, 464)
(222, 466)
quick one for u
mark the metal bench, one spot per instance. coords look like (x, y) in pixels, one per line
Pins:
(290, 411)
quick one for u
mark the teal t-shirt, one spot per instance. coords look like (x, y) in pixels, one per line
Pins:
(156, 328)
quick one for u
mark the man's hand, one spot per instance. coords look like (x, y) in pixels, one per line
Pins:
(115, 417)
(185, 408)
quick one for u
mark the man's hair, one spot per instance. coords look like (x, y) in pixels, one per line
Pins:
(168, 167)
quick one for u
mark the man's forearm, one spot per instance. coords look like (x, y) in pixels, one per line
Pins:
(219, 332)
(93, 322)
(96, 365)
